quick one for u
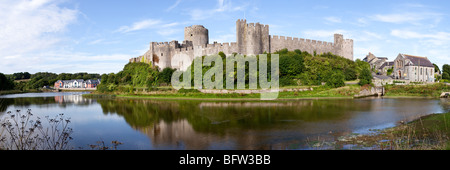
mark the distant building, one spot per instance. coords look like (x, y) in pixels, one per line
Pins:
(91, 83)
(78, 83)
(386, 66)
(413, 68)
(377, 64)
(374, 61)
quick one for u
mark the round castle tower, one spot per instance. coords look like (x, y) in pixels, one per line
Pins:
(197, 34)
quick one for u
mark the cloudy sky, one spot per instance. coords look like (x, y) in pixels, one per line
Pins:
(99, 36)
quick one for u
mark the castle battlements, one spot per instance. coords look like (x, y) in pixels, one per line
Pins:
(251, 39)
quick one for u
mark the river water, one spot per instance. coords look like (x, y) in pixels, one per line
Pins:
(184, 124)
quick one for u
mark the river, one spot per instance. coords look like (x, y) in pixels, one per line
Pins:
(202, 125)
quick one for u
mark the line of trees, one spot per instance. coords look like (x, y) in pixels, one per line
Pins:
(25, 81)
(135, 75)
(301, 68)
(296, 68)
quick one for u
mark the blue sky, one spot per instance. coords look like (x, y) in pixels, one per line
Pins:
(99, 36)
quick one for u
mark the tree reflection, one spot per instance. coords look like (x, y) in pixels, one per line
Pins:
(199, 125)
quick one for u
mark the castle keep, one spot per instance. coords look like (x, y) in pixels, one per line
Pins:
(251, 39)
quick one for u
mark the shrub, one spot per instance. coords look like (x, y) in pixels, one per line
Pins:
(365, 77)
(182, 90)
(336, 80)
(446, 76)
(286, 81)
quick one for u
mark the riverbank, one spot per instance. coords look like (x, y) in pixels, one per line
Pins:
(319, 92)
(291, 93)
(430, 132)
(419, 90)
(6, 92)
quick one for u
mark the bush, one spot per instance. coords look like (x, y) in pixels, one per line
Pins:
(165, 76)
(286, 81)
(365, 77)
(336, 80)
(182, 90)
(446, 76)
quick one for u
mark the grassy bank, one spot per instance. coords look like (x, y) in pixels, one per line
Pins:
(5, 92)
(318, 92)
(429, 90)
(430, 132)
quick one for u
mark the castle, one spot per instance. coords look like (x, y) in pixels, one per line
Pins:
(252, 39)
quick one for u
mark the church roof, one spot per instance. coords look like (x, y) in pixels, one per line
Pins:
(419, 61)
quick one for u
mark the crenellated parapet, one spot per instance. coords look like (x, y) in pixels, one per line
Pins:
(251, 39)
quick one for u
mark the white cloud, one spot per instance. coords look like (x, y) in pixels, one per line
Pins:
(224, 38)
(362, 36)
(361, 22)
(174, 5)
(223, 6)
(411, 34)
(72, 62)
(407, 17)
(333, 19)
(140, 25)
(162, 28)
(437, 38)
(27, 26)
(96, 42)
(168, 32)
(324, 33)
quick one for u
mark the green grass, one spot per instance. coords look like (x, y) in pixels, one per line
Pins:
(5, 92)
(430, 132)
(318, 92)
(429, 90)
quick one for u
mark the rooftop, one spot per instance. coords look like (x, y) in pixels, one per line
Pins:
(418, 60)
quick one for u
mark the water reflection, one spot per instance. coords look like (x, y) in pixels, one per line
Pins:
(225, 125)
(259, 125)
(52, 101)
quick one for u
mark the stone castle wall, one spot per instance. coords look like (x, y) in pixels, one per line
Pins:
(252, 39)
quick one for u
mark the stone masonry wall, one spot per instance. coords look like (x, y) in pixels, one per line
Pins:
(252, 39)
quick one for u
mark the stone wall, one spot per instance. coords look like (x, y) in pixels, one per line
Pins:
(281, 42)
(252, 39)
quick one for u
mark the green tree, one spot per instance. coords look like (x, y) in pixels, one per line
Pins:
(446, 76)
(360, 66)
(336, 80)
(165, 76)
(365, 77)
(5, 83)
(446, 69)
(26, 75)
(390, 70)
(104, 79)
